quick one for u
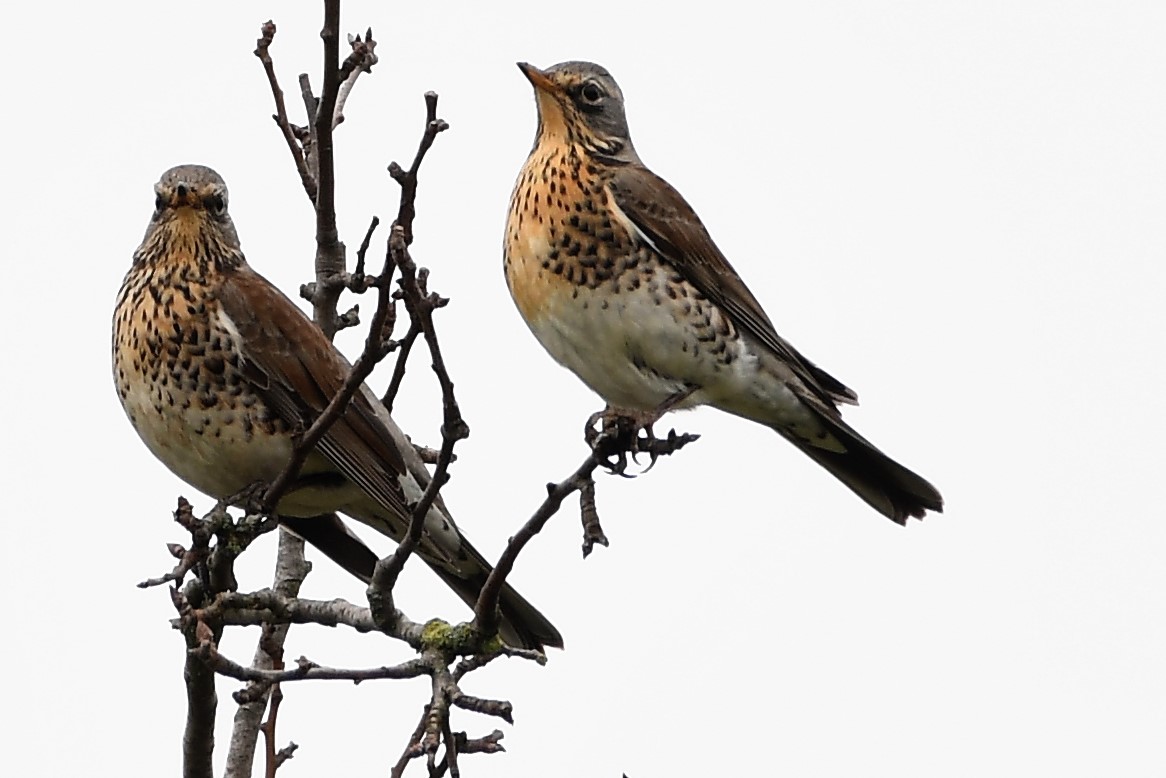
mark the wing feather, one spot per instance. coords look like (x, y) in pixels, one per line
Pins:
(669, 224)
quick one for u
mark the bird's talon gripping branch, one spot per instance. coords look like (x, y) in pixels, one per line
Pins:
(621, 433)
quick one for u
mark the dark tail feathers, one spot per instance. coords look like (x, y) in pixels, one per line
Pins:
(522, 625)
(883, 483)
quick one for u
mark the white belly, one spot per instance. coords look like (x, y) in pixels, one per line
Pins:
(640, 349)
(200, 447)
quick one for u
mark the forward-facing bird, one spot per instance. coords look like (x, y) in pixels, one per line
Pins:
(621, 283)
(218, 371)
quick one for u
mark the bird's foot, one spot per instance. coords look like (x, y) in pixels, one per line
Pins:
(249, 498)
(614, 433)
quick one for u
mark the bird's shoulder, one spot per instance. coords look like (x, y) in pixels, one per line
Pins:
(295, 367)
(661, 216)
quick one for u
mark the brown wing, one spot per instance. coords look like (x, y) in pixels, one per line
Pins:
(670, 224)
(298, 371)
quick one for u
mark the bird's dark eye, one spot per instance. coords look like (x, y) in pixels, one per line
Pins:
(216, 204)
(591, 92)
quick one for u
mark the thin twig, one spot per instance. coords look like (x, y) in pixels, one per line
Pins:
(199, 551)
(484, 745)
(451, 748)
(428, 455)
(373, 351)
(262, 46)
(284, 754)
(360, 252)
(453, 427)
(412, 748)
(592, 530)
(404, 348)
(486, 608)
(306, 670)
(602, 447)
(420, 306)
(307, 134)
(290, 571)
(271, 760)
(499, 708)
(408, 178)
(361, 60)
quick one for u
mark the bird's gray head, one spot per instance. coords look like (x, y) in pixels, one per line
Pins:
(190, 224)
(581, 102)
(192, 198)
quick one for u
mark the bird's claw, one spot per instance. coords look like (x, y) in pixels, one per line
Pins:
(619, 435)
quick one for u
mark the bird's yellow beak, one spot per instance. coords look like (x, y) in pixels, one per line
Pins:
(539, 79)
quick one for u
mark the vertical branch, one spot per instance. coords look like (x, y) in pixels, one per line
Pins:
(290, 571)
(315, 163)
(198, 739)
(329, 249)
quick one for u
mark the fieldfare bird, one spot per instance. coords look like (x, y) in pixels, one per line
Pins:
(218, 371)
(621, 283)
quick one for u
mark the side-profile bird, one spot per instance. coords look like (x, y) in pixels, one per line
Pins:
(218, 371)
(621, 283)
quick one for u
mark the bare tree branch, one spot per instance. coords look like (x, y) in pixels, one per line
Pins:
(198, 740)
(307, 134)
(592, 531)
(329, 249)
(306, 670)
(363, 250)
(602, 446)
(361, 60)
(420, 305)
(404, 348)
(271, 757)
(262, 47)
(486, 609)
(268, 606)
(408, 178)
(290, 571)
(413, 748)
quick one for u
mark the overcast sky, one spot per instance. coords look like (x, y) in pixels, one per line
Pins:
(956, 208)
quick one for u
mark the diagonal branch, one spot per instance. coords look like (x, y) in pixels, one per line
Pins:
(329, 249)
(290, 571)
(603, 446)
(404, 348)
(373, 352)
(486, 609)
(420, 305)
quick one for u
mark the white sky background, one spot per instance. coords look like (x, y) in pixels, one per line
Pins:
(956, 208)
